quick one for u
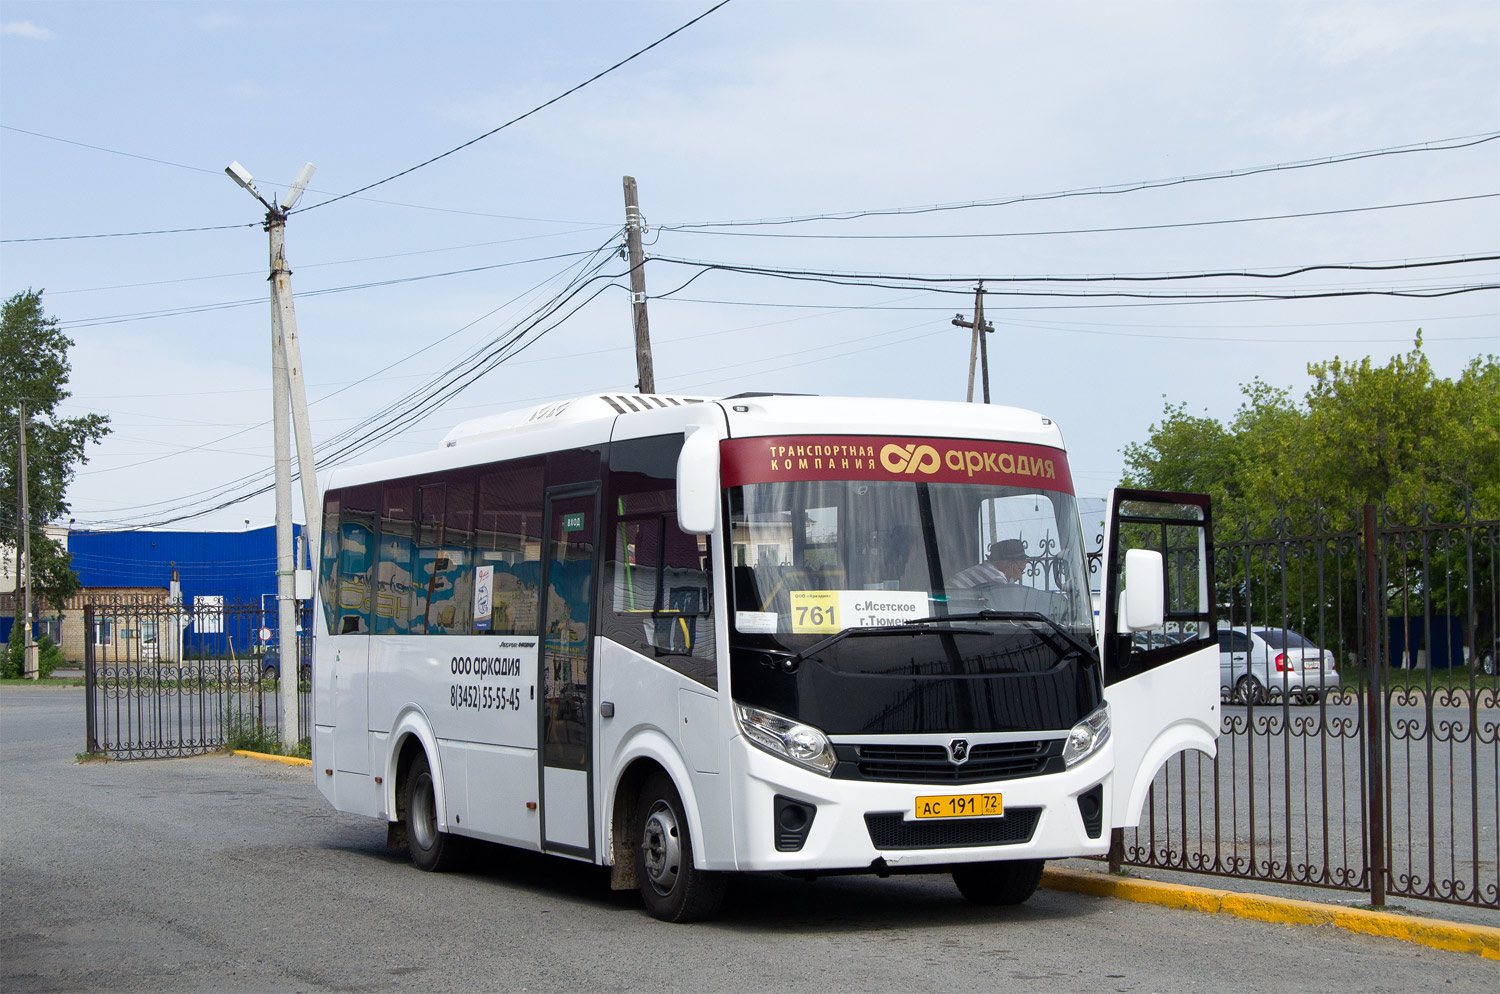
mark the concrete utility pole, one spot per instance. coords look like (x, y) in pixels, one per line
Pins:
(978, 342)
(646, 380)
(287, 388)
(30, 666)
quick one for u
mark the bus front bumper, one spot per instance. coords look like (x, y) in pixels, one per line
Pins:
(869, 825)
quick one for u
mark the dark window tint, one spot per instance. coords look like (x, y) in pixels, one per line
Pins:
(328, 562)
(442, 577)
(658, 582)
(507, 548)
(1233, 642)
(352, 547)
(1280, 638)
(393, 562)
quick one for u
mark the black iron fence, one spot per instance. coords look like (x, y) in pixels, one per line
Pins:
(1374, 770)
(162, 680)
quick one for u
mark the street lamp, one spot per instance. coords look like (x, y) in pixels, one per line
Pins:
(287, 387)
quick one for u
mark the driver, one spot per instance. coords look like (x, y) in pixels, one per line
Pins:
(1006, 563)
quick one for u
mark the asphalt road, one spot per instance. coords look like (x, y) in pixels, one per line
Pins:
(223, 873)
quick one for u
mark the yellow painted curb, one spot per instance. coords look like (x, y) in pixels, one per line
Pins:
(288, 760)
(1477, 940)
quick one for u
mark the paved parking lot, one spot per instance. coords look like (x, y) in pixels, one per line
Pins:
(224, 873)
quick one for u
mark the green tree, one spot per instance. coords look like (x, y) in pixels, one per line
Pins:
(1395, 434)
(34, 370)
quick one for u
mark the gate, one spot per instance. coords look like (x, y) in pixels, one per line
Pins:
(1385, 783)
(162, 681)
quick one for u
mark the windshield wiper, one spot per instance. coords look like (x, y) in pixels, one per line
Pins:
(992, 615)
(789, 661)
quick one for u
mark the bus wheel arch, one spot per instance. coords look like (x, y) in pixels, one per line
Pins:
(665, 847)
(648, 753)
(622, 875)
(409, 747)
(431, 848)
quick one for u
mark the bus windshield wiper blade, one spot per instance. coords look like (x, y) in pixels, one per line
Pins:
(789, 661)
(992, 615)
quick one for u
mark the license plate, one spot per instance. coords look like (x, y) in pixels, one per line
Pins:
(960, 806)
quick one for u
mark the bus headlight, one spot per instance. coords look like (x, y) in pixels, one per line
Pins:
(788, 739)
(1087, 736)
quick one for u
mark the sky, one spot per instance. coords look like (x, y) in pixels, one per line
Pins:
(1070, 145)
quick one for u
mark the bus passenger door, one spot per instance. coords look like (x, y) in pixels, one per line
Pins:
(566, 658)
(1161, 666)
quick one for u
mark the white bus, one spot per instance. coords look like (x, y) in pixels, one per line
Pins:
(682, 637)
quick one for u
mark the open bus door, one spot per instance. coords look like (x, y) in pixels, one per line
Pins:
(1161, 656)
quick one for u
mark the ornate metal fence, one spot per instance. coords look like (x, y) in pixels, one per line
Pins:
(163, 681)
(1382, 779)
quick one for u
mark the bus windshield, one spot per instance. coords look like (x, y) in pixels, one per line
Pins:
(813, 557)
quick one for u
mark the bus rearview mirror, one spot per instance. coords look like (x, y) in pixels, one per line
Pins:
(698, 483)
(1144, 597)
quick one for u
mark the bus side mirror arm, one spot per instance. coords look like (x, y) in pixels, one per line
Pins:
(698, 483)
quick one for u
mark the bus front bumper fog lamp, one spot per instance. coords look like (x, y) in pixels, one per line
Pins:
(787, 739)
(1087, 736)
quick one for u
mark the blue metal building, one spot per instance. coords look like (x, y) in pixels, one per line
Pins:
(238, 566)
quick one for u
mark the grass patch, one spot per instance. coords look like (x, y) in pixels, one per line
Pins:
(49, 681)
(91, 757)
(243, 731)
(1456, 678)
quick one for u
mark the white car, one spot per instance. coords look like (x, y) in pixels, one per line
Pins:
(1266, 663)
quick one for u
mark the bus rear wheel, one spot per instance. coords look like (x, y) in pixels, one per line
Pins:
(1008, 882)
(430, 849)
(672, 888)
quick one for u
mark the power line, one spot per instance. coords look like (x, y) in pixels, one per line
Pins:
(1440, 145)
(946, 283)
(108, 319)
(336, 262)
(412, 406)
(219, 172)
(130, 234)
(1078, 231)
(522, 117)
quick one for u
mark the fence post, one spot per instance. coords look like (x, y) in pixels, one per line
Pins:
(1375, 767)
(90, 731)
(1116, 849)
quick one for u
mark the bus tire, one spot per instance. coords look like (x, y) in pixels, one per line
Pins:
(1008, 882)
(431, 849)
(672, 888)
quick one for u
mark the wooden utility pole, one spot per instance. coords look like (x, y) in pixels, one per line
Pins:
(29, 666)
(646, 380)
(978, 343)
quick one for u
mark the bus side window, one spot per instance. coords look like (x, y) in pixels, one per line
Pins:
(508, 538)
(356, 558)
(657, 579)
(392, 601)
(328, 562)
(450, 608)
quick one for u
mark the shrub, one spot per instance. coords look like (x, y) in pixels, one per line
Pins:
(13, 665)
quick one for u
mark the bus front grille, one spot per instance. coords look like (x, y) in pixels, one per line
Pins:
(930, 763)
(891, 830)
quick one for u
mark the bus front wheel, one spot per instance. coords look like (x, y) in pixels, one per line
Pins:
(673, 889)
(1008, 882)
(430, 848)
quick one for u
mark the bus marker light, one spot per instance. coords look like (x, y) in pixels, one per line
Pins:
(530, 805)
